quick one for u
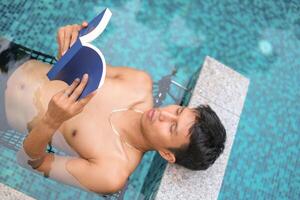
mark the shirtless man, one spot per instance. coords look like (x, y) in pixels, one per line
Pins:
(107, 132)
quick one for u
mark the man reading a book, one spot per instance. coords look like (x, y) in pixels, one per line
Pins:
(106, 133)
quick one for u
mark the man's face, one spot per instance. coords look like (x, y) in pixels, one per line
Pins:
(168, 127)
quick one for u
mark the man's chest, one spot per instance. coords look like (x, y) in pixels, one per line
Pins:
(92, 137)
(90, 133)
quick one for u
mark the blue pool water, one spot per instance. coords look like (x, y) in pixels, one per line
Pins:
(260, 39)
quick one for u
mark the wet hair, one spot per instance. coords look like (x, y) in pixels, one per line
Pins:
(207, 140)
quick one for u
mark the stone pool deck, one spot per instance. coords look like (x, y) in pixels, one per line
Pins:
(8, 193)
(225, 91)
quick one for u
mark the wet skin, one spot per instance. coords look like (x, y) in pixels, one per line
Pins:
(89, 133)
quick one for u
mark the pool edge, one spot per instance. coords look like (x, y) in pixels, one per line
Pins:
(225, 91)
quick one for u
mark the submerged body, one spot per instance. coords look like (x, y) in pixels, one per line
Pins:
(89, 133)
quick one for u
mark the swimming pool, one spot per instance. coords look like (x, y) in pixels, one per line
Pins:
(259, 39)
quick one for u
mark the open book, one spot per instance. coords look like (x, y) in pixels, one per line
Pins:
(83, 57)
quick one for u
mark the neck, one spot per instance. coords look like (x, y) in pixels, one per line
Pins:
(129, 127)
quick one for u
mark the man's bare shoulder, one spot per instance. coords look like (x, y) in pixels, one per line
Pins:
(144, 79)
(140, 80)
(130, 75)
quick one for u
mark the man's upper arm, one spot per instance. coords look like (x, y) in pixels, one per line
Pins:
(97, 177)
(91, 175)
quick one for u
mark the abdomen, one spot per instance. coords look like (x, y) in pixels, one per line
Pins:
(24, 94)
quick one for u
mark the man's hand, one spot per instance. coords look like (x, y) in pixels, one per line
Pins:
(67, 35)
(64, 104)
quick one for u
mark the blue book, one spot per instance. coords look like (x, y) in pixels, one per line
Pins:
(83, 57)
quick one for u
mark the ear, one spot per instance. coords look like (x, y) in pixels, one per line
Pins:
(167, 155)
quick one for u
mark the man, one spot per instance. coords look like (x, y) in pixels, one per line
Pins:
(107, 132)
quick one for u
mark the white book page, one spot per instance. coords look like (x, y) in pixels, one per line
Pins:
(99, 28)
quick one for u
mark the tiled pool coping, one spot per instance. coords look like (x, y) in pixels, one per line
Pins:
(8, 193)
(225, 91)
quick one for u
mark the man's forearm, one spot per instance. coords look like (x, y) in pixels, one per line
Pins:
(36, 142)
(62, 106)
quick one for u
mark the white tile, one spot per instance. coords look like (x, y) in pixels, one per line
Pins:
(8, 193)
(222, 85)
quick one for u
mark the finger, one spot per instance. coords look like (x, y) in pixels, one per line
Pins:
(77, 27)
(58, 55)
(67, 39)
(78, 90)
(84, 24)
(60, 39)
(69, 90)
(85, 100)
(74, 36)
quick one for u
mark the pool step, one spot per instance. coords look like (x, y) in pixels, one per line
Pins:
(225, 91)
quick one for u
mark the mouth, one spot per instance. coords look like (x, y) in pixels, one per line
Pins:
(150, 114)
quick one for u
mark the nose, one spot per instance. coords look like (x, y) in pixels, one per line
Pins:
(167, 116)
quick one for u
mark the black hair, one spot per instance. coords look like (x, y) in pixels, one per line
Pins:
(207, 140)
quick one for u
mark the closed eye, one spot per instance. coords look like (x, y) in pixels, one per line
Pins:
(180, 110)
(173, 127)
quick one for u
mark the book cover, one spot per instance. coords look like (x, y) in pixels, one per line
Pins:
(83, 57)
